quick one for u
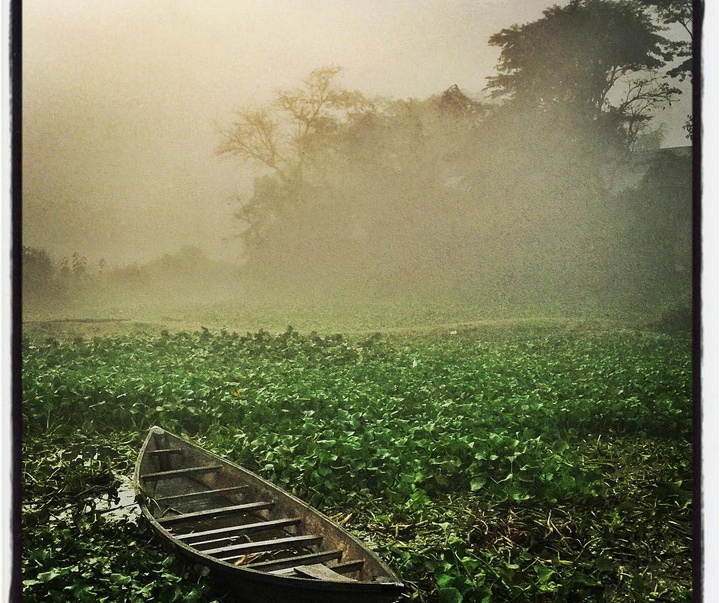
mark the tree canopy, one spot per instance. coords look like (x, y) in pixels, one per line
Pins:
(596, 58)
(673, 11)
(676, 12)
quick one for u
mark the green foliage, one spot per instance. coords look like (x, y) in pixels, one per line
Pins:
(682, 13)
(663, 196)
(486, 468)
(674, 318)
(72, 550)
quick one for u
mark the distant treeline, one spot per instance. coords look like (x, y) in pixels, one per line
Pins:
(409, 208)
(447, 196)
(553, 190)
(188, 272)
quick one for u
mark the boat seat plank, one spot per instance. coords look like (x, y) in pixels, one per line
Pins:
(166, 451)
(354, 565)
(342, 568)
(176, 497)
(285, 572)
(321, 572)
(225, 533)
(181, 472)
(296, 561)
(264, 545)
(244, 508)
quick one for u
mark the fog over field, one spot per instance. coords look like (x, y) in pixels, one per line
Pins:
(414, 175)
(122, 102)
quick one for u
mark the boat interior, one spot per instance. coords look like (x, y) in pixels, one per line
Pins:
(230, 515)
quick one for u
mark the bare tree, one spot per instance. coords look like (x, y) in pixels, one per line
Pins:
(283, 136)
(287, 137)
(254, 136)
(642, 97)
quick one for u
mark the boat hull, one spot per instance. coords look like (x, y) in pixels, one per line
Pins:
(249, 587)
(319, 568)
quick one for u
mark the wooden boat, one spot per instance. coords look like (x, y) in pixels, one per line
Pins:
(268, 545)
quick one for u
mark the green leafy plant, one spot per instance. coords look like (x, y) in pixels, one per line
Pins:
(530, 465)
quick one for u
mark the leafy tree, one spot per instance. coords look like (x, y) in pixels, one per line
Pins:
(680, 12)
(79, 265)
(638, 100)
(658, 250)
(351, 185)
(37, 272)
(504, 203)
(579, 57)
(673, 11)
(457, 104)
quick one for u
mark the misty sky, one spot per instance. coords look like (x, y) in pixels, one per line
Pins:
(122, 101)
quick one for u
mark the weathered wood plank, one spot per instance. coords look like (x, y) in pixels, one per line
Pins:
(177, 497)
(181, 472)
(256, 506)
(248, 528)
(166, 451)
(297, 561)
(321, 572)
(264, 545)
(284, 572)
(354, 565)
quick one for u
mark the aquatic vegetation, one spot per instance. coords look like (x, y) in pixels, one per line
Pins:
(534, 464)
